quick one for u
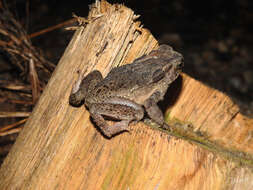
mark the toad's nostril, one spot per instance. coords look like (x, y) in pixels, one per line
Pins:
(181, 64)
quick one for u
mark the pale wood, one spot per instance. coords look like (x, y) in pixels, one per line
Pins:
(59, 148)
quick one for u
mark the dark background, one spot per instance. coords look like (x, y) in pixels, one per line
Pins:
(215, 38)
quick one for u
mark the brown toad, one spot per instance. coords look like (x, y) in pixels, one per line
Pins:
(127, 90)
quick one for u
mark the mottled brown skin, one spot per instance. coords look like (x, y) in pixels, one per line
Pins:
(127, 90)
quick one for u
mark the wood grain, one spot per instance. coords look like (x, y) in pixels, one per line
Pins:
(59, 147)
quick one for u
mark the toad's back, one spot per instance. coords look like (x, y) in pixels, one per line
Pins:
(136, 81)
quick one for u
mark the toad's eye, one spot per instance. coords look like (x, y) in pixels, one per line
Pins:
(158, 75)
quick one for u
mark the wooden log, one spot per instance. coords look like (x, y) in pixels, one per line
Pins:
(59, 147)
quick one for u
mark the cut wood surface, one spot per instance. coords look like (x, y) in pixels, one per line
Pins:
(210, 146)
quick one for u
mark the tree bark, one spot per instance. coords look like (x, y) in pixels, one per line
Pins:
(210, 146)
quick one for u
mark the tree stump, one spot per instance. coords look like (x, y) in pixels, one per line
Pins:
(210, 146)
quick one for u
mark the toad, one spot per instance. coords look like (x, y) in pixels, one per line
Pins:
(129, 90)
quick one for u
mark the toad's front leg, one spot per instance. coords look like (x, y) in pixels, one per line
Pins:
(116, 108)
(152, 109)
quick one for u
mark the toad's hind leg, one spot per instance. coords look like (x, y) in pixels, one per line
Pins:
(109, 130)
(83, 86)
(123, 110)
